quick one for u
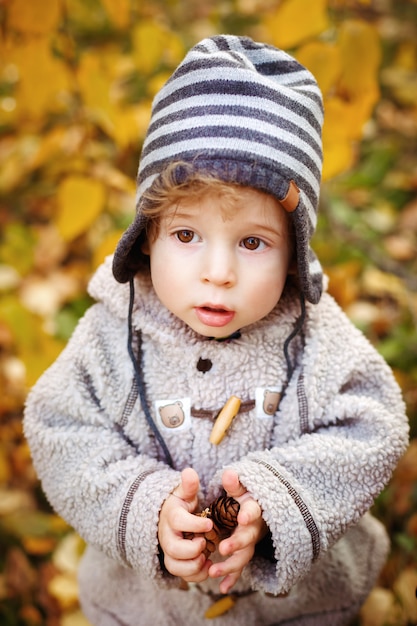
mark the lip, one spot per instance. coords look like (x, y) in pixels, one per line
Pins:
(214, 315)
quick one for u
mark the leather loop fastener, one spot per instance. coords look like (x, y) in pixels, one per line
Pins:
(291, 200)
(245, 407)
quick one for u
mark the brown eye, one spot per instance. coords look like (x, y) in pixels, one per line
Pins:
(251, 243)
(185, 236)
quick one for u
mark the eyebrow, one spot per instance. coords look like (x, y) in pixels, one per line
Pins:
(177, 214)
(281, 231)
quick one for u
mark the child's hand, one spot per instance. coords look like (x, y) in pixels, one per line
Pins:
(184, 557)
(240, 546)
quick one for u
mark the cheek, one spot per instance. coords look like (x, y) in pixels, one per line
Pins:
(166, 274)
(268, 286)
(267, 296)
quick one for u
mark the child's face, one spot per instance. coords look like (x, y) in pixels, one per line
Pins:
(220, 269)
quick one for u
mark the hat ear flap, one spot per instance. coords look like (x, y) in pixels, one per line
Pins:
(129, 257)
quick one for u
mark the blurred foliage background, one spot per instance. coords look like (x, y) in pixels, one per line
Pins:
(77, 79)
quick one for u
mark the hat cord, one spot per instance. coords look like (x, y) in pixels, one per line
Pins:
(297, 328)
(139, 376)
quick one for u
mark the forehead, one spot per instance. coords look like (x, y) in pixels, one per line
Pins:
(230, 200)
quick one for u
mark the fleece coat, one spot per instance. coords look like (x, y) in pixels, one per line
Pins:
(314, 451)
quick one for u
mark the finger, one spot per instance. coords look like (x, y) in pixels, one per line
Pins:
(200, 576)
(231, 484)
(187, 490)
(182, 549)
(186, 568)
(182, 521)
(228, 582)
(233, 565)
(249, 511)
(242, 538)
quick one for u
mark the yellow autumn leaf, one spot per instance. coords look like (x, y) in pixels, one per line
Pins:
(106, 247)
(220, 607)
(323, 61)
(152, 44)
(125, 125)
(342, 120)
(98, 77)
(156, 82)
(9, 74)
(43, 79)
(51, 146)
(64, 588)
(95, 83)
(294, 21)
(360, 54)
(118, 11)
(33, 16)
(74, 618)
(381, 284)
(405, 589)
(37, 359)
(381, 607)
(343, 128)
(36, 349)
(406, 58)
(338, 157)
(338, 141)
(116, 180)
(148, 43)
(38, 546)
(80, 201)
(66, 556)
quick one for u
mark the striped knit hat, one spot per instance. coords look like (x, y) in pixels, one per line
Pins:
(246, 113)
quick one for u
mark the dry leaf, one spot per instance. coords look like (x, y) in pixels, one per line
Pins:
(13, 500)
(294, 21)
(75, 618)
(106, 247)
(381, 609)
(64, 588)
(405, 587)
(118, 11)
(38, 546)
(153, 43)
(68, 553)
(80, 202)
(43, 79)
(33, 17)
(323, 61)
(360, 53)
(19, 574)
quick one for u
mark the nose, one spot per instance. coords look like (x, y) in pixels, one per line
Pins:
(219, 267)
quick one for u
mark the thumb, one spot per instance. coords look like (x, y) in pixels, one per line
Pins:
(187, 490)
(232, 485)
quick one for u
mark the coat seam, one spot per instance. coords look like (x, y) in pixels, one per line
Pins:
(130, 403)
(307, 517)
(302, 404)
(122, 526)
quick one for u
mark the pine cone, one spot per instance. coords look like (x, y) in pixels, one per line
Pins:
(223, 511)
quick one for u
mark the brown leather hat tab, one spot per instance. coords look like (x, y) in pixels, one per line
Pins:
(290, 202)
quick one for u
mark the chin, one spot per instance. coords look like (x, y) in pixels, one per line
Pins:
(218, 333)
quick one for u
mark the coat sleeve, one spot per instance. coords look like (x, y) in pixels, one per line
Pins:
(103, 485)
(351, 430)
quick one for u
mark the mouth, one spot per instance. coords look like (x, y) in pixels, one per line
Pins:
(214, 315)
